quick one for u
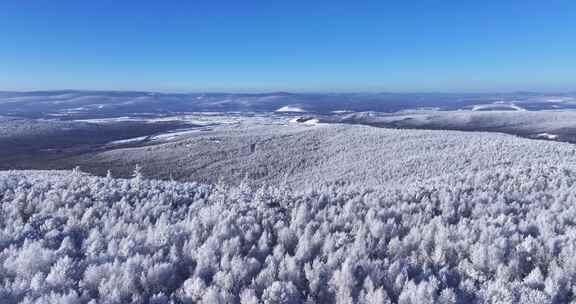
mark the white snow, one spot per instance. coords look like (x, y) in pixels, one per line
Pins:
(314, 121)
(108, 120)
(159, 137)
(174, 134)
(547, 135)
(128, 140)
(497, 105)
(290, 109)
(560, 99)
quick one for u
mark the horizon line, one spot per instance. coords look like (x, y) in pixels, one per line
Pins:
(294, 92)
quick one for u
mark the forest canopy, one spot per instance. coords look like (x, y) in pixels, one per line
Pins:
(505, 236)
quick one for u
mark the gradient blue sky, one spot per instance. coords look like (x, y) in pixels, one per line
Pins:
(298, 45)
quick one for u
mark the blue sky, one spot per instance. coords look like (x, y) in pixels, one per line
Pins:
(297, 45)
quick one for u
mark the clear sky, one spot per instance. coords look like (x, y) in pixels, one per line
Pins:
(297, 45)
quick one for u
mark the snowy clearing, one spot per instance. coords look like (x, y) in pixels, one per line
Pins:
(547, 135)
(498, 107)
(290, 109)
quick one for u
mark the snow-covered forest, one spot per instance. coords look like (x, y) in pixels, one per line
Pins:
(495, 236)
(287, 212)
(287, 152)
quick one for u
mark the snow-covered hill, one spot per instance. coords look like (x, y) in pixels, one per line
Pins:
(528, 124)
(296, 154)
(400, 216)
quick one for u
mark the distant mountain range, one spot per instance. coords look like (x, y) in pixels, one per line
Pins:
(78, 104)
